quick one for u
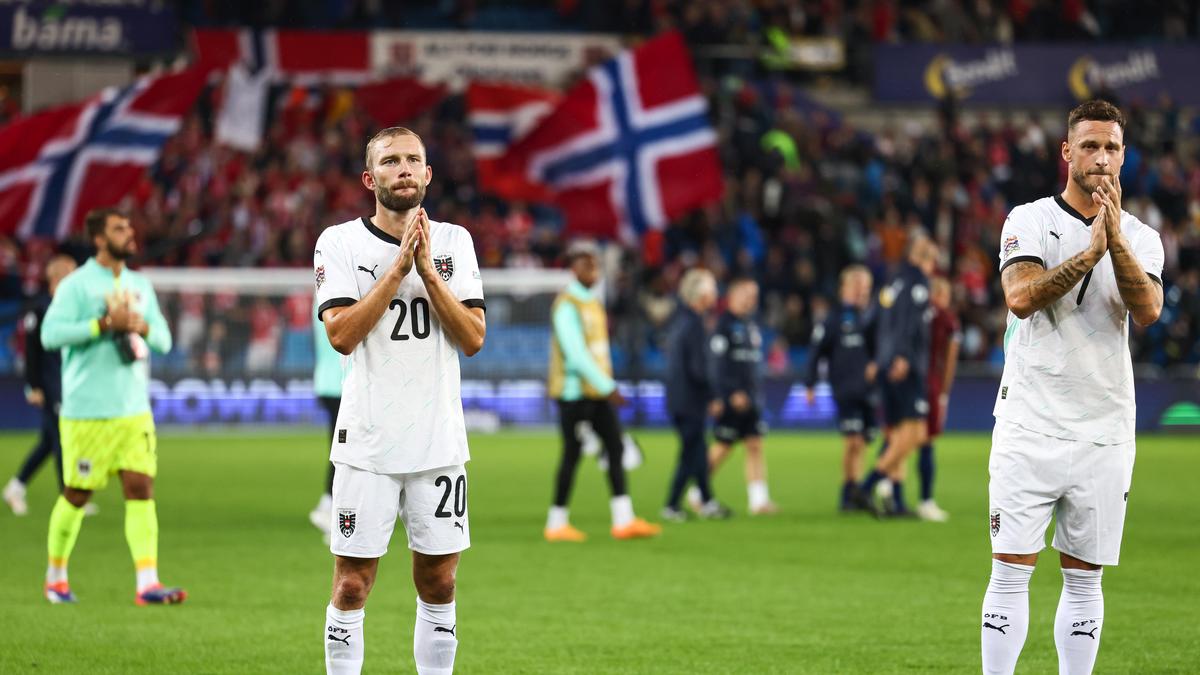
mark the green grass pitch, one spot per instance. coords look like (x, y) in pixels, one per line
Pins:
(807, 591)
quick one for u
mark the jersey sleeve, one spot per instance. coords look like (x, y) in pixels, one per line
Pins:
(822, 338)
(336, 286)
(466, 282)
(720, 358)
(1021, 238)
(34, 354)
(1149, 252)
(699, 363)
(69, 321)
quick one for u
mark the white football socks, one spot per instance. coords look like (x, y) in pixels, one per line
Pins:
(435, 639)
(56, 574)
(343, 640)
(622, 510)
(556, 518)
(147, 577)
(1079, 621)
(1005, 616)
(757, 494)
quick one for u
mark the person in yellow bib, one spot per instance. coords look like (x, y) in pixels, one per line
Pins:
(581, 381)
(105, 318)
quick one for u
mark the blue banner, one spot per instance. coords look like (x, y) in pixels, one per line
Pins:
(118, 27)
(1167, 404)
(1036, 74)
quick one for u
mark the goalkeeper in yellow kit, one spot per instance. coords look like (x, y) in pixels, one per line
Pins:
(106, 318)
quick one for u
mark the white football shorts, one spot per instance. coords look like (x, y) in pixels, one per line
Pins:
(1084, 486)
(431, 504)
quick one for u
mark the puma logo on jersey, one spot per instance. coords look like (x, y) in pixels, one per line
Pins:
(441, 629)
(999, 628)
(368, 271)
(1090, 633)
(1054, 234)
(459, 526)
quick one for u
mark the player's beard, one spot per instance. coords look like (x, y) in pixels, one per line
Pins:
(400, 203)
(120, 252)
(1088, 182)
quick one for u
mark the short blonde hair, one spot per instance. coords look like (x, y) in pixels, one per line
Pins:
(389, 133)
(694, 282)
(850, 271)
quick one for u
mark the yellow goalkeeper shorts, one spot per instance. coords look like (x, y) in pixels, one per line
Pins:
(92, 450)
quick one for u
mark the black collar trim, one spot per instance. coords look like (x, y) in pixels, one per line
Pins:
(379, 233)
(1062, 204)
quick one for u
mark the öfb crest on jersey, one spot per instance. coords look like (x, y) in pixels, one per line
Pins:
(444, 264)
(346, 520)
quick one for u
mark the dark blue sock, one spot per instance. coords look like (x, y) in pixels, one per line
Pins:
(898, 497)
(872, 479)
(847, 491)
(925, 469)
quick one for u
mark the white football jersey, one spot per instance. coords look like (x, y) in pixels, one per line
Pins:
(1067, 368)
(401, 409)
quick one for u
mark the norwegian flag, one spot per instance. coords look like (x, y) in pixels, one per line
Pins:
(500, 114)
(630, 148)
(295, 56)
(59, 164)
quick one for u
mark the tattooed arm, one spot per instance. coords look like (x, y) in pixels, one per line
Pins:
(1140, 293)
(1029, 287)
(1143, 297)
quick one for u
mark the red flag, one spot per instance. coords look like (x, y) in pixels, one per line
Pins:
(499, 115)
(297, 56)
(59, 164)
(393, 101)
(630, 148)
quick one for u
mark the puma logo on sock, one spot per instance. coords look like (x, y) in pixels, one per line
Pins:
(1091, 633)
(344, 640)
(442, 629)
(999, 628)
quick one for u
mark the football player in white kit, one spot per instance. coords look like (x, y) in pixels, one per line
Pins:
(1073, 267)
(400, 296)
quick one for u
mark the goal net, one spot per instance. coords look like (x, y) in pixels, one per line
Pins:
(244, 353)
(244, 341)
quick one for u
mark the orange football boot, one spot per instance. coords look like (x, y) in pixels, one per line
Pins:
(636, 529)
(565, 533)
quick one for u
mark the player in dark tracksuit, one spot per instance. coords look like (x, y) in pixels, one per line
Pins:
(691, 395)
(736, 350)
(43, 389)
(845, 341)
(902, 353)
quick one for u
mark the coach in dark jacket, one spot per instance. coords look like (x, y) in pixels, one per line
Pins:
(902, 338)
(691, 392)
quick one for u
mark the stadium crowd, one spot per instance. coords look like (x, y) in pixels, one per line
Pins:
(806, 192)
(737, 21)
